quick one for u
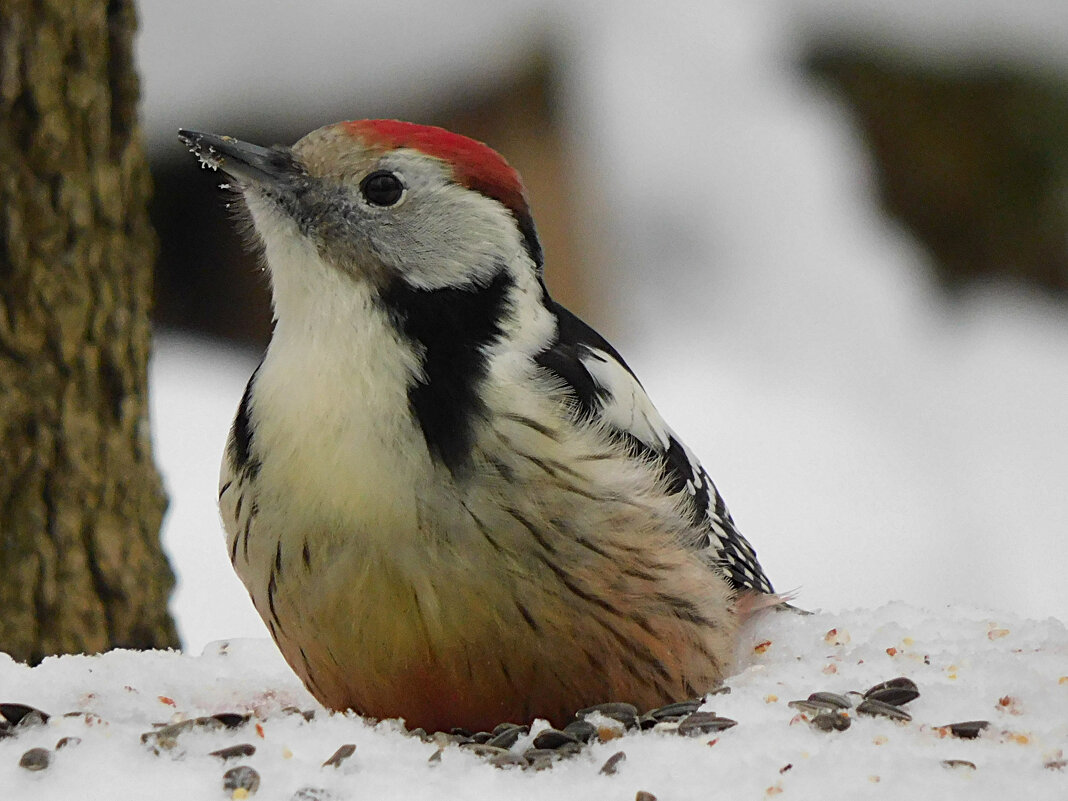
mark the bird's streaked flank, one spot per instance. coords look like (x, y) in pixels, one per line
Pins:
(449, 498)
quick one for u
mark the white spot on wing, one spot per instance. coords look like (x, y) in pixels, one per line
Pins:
(626, 406)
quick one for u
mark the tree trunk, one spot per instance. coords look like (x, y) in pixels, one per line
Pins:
(81, 567)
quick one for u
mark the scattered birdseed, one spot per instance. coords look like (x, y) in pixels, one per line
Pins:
(612, 763)
(242, 778)
(507, 760)
(644, 796)
(810, 708)
(553, 738)
(830, 721)
(166, 737)
(958, 763)
(68, 742)
(234, 751)
(894, 692)
(36, 759)
(627, 714)
(830, 700)
(581, 730)
(232, 720)
(677, 710)
(869, 706)
(483, 750)
(966, 730)
(507, 734)
(340, 755)
(22, 715)
(704, 723)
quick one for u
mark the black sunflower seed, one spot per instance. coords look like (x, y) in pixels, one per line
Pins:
(894, 692)
(870, 706)
(704, 723)
(966, 730)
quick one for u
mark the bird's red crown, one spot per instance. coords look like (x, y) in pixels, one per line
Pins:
(474, 164)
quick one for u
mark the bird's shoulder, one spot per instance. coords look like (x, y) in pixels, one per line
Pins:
(605, 390)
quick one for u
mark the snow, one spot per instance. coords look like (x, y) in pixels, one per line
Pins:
(873, 441)
(967, 663)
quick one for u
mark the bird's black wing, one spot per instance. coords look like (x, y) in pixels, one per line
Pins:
(605, 388)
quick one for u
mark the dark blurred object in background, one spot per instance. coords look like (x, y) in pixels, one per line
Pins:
(207, 281)
(974, 160)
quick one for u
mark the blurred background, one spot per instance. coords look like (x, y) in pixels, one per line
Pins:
(831, 237)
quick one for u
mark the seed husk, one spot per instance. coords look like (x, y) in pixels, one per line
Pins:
(36, 759)
(611, 765)
(553, 739)
(241, 778)
(830, 721)
(340, 755)
(870, 706)
(235, 751)
(968, 729)
(894, 691)
(704, 723)
(830, 700)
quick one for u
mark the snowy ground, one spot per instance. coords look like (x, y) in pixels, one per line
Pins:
(967, 664)
(873, 442)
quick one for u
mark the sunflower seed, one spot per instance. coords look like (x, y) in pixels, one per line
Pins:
(340, 755)
(234, 751)
(625, 713)
(958, 763)
(830, 700)
(507, 760)
(231, 720)
(894, 692)
(870, 706)
(36, 759)
(22, 715)
(507, 736)
(677, 710)
(830, 721)
(612, 763)
(241, 778)
(704, 723)
(483, 750)
(581, 730)
(966, 730)
(553, 739)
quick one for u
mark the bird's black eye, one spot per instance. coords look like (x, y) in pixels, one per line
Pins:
(382, 188)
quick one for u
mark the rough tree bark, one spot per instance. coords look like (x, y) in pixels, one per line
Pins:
(81, 568)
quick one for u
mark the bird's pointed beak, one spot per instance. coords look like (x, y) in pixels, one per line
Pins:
(248, 163)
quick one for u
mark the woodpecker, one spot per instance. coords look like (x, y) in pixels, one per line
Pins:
(449, 498)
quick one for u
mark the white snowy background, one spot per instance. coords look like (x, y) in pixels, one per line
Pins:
(873, 440)
(901, 461)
